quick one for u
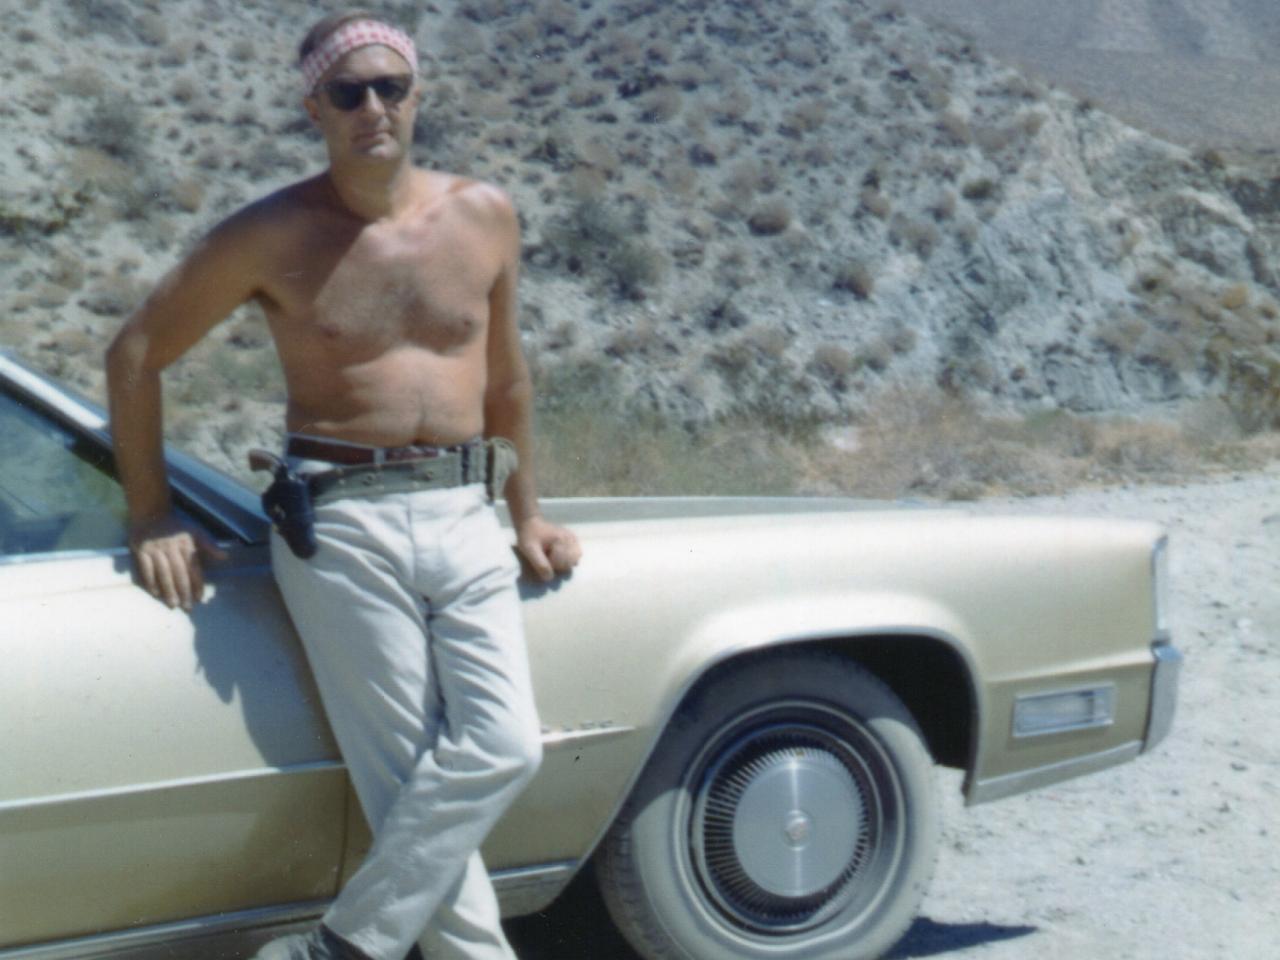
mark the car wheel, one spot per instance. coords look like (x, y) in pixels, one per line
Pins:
(789, 811)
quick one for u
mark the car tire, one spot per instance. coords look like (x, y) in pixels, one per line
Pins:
(788, 811)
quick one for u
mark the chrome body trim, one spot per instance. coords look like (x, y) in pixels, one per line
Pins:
(525, 890)
(177, 784)
(1160, 587)
(522, 890)
(560, 739)
(1164, 692)
(1010, 784)
(126, 943)
(49, 556)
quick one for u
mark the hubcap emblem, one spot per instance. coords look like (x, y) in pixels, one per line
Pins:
(798, 829)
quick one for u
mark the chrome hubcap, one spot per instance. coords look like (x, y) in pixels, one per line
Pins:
(786, 822)
(795, 815)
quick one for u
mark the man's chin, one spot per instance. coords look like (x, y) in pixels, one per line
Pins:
(383, 149)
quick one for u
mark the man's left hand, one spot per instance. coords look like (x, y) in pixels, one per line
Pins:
(548, 548)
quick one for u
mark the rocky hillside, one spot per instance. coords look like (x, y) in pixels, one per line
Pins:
(768, 208)
(1202, 72)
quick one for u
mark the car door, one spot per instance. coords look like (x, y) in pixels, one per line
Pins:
(154, 765)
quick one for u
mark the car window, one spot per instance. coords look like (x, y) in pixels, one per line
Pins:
(57, 489)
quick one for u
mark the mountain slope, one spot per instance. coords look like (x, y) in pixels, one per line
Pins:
(766, 210)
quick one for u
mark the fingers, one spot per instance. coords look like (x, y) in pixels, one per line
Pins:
(169, 568)
(536, 557)
(565, 553)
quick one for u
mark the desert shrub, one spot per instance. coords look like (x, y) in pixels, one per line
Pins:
(114, 124)
(983, 188)
(688, 76)
(583, 94)
(115, 296)
(66, 271)
(1033, 122)
(151, 28)
(634, 340)
(770, 218)
(1253, 390)
(944, 207)
(956, 128)
(187, 193)
(185, 88)
(804, 118)
(875, 203)
(732, 108)
(634, 267)
(596, 240)
(81, 82)
(833, 363)
(922, 236)
(743, 179)
(876, 354)
(248, 374)
(1235, 297)
(660, 105)
(901, 339)
(111, 17)
(1121, 334)
(855, 277)
(992, 139)
(820, 154)
(585, 183)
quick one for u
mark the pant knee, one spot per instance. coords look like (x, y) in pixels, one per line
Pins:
(520, 753)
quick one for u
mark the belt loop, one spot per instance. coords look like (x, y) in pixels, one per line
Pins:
(379, 456)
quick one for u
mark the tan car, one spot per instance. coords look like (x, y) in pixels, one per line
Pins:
(743, 702)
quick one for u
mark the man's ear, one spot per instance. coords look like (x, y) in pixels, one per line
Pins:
(313, 109)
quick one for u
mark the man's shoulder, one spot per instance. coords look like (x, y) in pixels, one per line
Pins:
(479, 198)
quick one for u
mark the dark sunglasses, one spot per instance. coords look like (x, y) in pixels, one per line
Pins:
(350, 94)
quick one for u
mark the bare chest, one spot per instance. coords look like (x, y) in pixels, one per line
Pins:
(385, 289)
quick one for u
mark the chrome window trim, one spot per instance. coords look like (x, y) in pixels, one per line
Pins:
(239, 513)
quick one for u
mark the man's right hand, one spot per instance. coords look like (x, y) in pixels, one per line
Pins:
(167, 556)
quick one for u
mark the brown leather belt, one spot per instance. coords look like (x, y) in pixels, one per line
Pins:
(363, 471)
(353, 455)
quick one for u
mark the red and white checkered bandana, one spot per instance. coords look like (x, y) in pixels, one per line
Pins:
(353, 36)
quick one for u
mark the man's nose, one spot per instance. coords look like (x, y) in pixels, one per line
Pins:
(372, 102)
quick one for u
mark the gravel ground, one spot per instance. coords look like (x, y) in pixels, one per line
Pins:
(1178, 854)
(1172, 857)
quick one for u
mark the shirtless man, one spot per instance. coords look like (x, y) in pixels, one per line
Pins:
(391, 296)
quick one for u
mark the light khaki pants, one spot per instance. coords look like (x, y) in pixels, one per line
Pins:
(410, 618)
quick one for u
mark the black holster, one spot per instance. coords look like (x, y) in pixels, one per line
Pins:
(288, 503)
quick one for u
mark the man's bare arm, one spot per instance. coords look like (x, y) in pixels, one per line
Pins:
(217, 276)
(508, 409)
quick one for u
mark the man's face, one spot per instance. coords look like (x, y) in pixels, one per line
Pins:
(352, 105)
